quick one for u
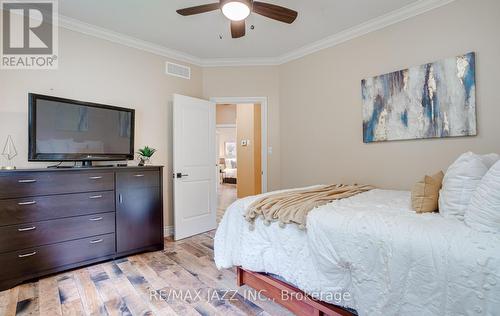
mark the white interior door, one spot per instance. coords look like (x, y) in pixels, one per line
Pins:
(194, 166)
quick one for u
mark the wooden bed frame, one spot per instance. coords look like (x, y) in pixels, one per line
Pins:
(298, 302)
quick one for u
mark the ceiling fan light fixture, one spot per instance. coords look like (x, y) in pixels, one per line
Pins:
(236, 10)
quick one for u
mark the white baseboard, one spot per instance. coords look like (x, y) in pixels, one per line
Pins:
(168, 231)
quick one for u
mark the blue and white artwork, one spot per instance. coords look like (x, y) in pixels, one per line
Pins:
(428, 101)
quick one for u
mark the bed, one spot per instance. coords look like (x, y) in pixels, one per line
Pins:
(373, 246)
(229, 171)
(229, 175)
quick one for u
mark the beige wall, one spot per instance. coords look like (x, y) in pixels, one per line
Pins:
(225, 114)
(249, 157)
(251, 82)
(320, 100)
(314, 103)
(95, 70)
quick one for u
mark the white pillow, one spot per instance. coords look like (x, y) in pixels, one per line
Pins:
(490, 159)
(460, 182)
(483, 213)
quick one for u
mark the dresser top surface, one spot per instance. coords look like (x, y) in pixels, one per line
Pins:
(89, 169)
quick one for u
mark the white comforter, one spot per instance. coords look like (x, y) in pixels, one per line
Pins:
(391, 260)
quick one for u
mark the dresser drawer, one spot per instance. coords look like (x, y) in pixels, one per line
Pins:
(34, 234)
(139, 179)
(25, 184)
(37, 259)
(34, 209)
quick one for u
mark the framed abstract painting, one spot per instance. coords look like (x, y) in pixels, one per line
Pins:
(430, 101)
(230, 149)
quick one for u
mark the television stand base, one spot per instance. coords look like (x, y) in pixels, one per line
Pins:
(100, 166)
(86, 163)
(89, 164)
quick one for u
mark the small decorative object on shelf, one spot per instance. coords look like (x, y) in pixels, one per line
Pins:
(145, 155)
(9, 151)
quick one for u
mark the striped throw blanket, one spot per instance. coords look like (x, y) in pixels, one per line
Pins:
(292, 207)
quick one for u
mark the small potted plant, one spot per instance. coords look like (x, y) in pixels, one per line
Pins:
(145, 155)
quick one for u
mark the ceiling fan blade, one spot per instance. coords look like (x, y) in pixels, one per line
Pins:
(275, 12)
(238, 29)
(199, 9)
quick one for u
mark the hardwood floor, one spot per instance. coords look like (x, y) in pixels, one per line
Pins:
(226, 195)
(181, 280)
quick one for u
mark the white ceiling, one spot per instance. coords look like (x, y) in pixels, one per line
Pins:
(157, 23)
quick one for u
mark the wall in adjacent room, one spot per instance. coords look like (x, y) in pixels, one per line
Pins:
(248, 129)
(225, 114)
(225, 135)
(96, 70)
(320, 100)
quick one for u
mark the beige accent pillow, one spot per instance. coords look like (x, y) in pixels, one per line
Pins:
(425, 194)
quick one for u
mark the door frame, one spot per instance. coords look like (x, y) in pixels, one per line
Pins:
(264, 141)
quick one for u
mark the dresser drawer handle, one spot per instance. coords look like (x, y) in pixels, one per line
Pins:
(95, 178)
(27, 181)
(138, 175)
(96, 241)
(93, 197)
(95, 219)
(26, 203)
(27, 254)
(26, 229)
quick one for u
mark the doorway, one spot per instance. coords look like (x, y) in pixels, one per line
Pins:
(196, 160)
(241, 142)
(225, 142)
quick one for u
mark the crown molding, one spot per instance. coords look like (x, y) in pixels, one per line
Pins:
(240, 62)
(376, 24)
(119, 38)
(373, 25)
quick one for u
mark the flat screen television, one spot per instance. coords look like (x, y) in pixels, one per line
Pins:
(69, 130)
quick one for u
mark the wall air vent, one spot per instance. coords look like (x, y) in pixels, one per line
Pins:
(177, 70)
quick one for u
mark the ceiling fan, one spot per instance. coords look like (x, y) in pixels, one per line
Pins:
(238, 10)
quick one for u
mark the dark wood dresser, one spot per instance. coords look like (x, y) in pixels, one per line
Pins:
(57, 219)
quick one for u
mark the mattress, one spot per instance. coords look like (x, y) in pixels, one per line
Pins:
(390, 260)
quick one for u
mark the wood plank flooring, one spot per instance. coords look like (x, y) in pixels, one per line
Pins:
(181, 280)
(226, 195)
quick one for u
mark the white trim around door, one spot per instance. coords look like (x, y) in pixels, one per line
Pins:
(263, 103)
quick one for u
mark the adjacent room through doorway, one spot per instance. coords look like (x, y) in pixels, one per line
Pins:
(239, 152)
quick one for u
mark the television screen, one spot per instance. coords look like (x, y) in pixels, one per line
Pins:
(72, 130)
